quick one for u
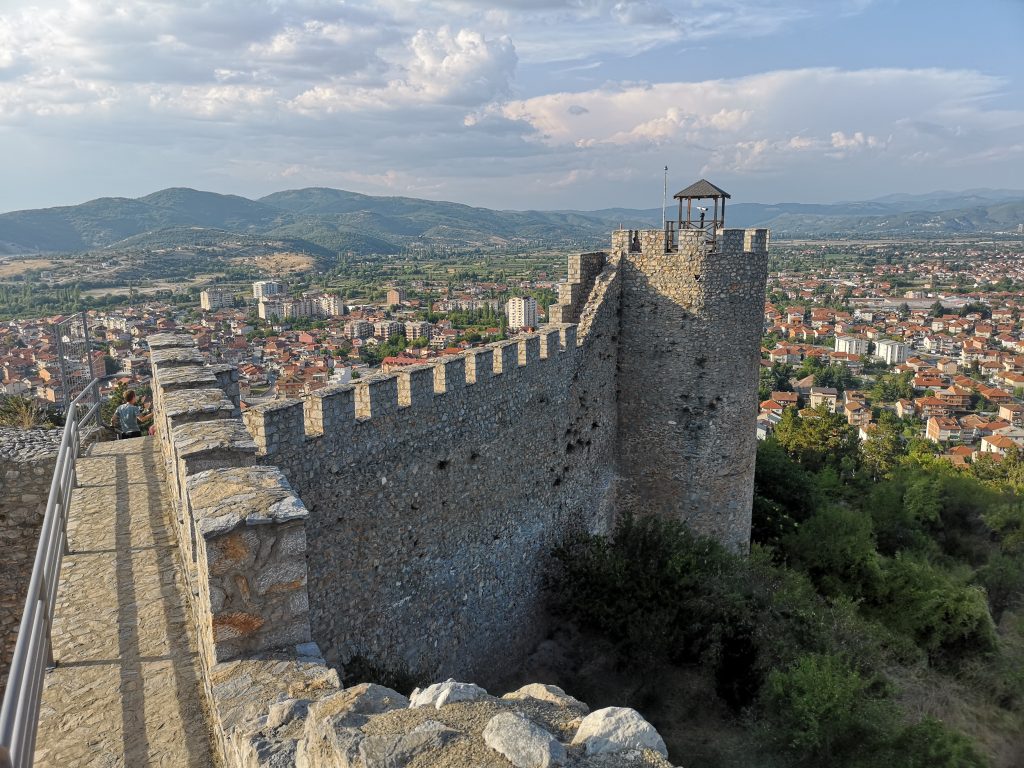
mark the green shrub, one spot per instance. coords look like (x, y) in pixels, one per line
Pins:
(822, 711)
(930, 744)
(1003, 579)
(836, 549)
(947, 619)
(662, 595)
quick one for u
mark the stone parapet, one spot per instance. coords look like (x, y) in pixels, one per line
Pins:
(227, 380)
(250, 560)
(574, 293)
(284, 426)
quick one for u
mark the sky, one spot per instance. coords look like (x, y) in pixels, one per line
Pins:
(511, 103)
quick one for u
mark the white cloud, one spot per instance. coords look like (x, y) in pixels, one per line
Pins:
(748, 123)
(421, 97)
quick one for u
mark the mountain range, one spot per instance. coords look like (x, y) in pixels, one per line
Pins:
(320, 220)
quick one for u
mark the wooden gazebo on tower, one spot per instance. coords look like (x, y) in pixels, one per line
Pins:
(696, 216)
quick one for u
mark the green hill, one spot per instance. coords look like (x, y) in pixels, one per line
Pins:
(348, 222)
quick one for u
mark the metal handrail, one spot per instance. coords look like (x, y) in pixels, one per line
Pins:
(33, 652)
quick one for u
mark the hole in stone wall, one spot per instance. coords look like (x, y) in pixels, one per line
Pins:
(442, 464)
(569, 448)
(593, 425)
(558, 482)
(473, 456)
(700, 361)
(414, 507)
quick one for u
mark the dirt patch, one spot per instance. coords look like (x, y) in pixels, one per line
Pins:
(9, 268)
(280, 263)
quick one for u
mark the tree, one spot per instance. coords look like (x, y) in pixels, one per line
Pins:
(775, 379)
(936, 309)
(903, 310)
(836, 548)
(883, 449)
(890, 387)
(822, 440)
(822, 711)
(835, 375)
(948, 619)
(783, 494)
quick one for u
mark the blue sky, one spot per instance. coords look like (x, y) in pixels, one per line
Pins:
(512, 103)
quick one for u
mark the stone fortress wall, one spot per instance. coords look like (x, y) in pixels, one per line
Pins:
(436, 495)
(27, 458)
(409, 518)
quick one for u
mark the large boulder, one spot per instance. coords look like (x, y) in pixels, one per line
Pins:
(549, 693)
(618, 729)
(523, 743)
(448, 692)
(400, 749)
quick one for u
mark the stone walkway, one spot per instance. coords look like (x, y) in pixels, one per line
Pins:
(127, 687)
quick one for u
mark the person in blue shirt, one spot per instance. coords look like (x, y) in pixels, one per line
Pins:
(129, 417)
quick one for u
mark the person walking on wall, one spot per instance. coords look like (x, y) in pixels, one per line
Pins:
(129, 416)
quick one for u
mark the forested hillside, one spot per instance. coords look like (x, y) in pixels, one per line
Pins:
(877, 622)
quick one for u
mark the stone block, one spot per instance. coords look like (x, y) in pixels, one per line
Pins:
(415, 385)
(329, 410)
(169, 340)
(449, 374)
(549, 343)
(479, 365)
(506, 356)
(567, 336)
(175, 357)
(528, 349)
(377, 395)
(277, 427)
(184, 377)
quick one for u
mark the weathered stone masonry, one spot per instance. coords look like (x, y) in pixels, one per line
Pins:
(689, 356)
(436, 495)
(433, 497)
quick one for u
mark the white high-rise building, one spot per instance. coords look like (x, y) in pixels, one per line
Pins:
(851, 345)
(215, 298)
(891, 352)
(521, 312)
(265, 289)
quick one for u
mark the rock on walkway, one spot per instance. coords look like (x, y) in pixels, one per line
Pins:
(127, 688)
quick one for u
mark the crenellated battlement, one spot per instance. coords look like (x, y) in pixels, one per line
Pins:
(285, 425)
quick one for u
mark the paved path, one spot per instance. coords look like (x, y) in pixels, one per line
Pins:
(126, 691)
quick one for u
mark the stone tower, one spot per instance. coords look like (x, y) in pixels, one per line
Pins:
(688, 364)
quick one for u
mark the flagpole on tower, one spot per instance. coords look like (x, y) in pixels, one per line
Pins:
(664, 200)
